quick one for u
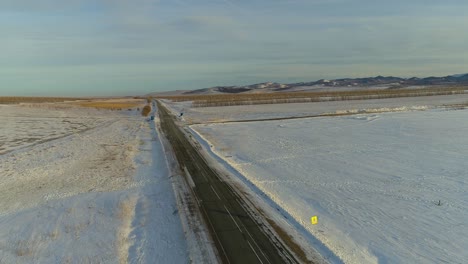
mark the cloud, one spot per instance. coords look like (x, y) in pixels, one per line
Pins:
(38, 6)
(191, 44)
(203, 22)
(60, 5)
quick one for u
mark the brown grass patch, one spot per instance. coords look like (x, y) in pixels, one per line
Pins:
(146, 110)
(126, 213)
(127, 209)
(288, 239)
(25, 248)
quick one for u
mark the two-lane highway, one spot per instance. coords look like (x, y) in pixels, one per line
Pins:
(238, 237)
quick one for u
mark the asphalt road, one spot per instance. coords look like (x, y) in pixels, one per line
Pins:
(238, 237)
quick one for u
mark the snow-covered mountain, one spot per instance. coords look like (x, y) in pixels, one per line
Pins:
(380, 82)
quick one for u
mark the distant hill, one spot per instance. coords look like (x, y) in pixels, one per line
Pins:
(259, 87)
(168, 93)
(378, 82)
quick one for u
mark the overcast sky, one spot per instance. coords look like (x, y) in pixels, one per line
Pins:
(132, 47)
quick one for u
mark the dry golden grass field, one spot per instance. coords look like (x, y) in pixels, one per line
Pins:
(114, 104)
(17, 100)
(109, 104)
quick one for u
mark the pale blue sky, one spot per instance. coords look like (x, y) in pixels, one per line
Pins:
(123, 47)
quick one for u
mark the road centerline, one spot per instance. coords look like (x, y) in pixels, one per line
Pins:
(215, 192)
(255, 252)
(233, 218)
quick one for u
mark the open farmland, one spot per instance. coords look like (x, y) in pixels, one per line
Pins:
(219, 114)
(27, 125)
(16, 100)
(114, 104)
(108, 104)
(82, 185)
(305, 97)
(374, 180)
(387, 187)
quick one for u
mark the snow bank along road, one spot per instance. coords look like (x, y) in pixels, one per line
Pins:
(98, 194)
(238, 236)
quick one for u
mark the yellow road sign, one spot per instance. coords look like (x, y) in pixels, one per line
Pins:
(314, 220)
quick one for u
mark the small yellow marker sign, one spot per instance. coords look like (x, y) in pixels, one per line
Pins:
(314, 220)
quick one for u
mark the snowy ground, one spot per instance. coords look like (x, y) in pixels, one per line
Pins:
(374, 180)
(91, 187)
(247, 112)
(24, 126)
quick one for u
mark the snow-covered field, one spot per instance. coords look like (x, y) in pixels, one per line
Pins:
(373, 180)
(24, 125)
(85, 186)
(249, 112)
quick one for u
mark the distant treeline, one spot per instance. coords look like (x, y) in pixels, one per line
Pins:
(305, 97)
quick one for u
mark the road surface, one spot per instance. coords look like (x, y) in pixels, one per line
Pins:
(238, 237)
